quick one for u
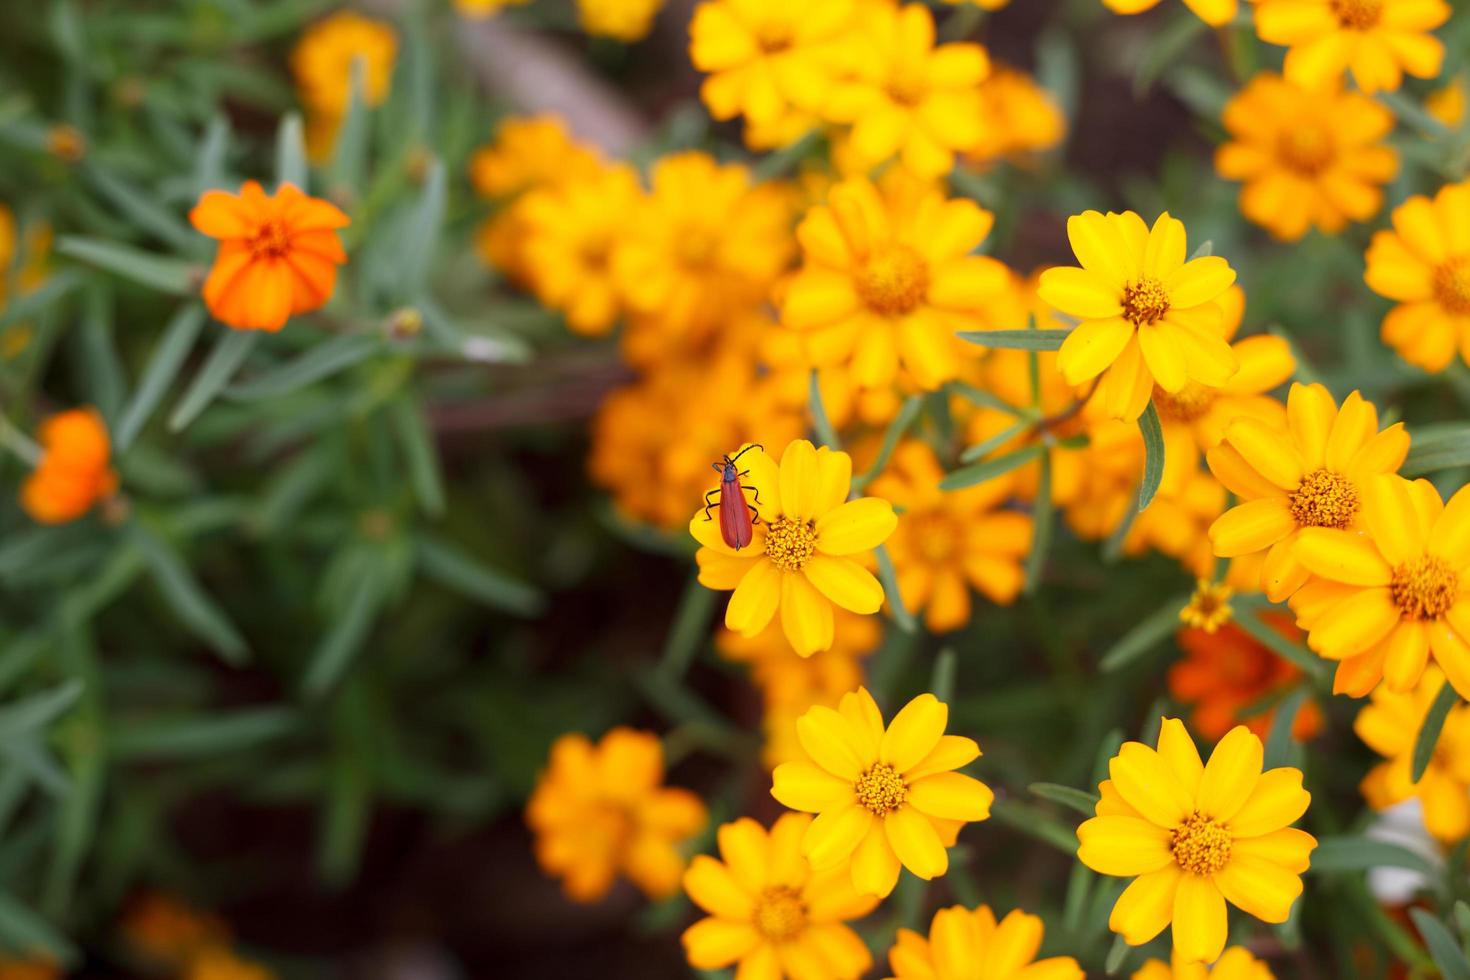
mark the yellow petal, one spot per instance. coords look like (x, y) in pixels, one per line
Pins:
(1079, 293)
(721, 572)
(1123, 846)
(1100, 247)
(1251, 527)
(1163, 357)
(800, 480)
(874, 865)
(952, 796)
(1260, 888)
(1277, 801)
(845, 582)
(858, 525)
(1310, 412)
(1288, 848)
(833, 836)
(829, 739)
(1091, 347)
(1266, 452)
(1199, 281)
(1355, 624)
(1144, 781)
(838, 949)
(955, 940)
(1231, 774)
(1164, 254)
(859, 708)
(952, 752)
(1390, 515)
(914, 732)
(806, 616)
(1450, 537)
(755, 599)
(916, 843)
(712, 944)
(1357, 420)
(809, 788)
(1178, 750)
(1199, 920)
(1342, 556)
(1146, 906)
(834, 479)
(711, 886)
(746, 850)
(1406, 652)
(1238, 476)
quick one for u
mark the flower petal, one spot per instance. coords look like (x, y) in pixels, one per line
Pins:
(809, 788)
(831, 742)
(952, 752)
(1287, 848)
(1252, 526)
(1199, 920)
(1079, 293)
(1231, 774)
(1146, 906)
(1144, 780)
(712, 887)
(916, 843)
(952, 796)
(1277, 801)
(1260, 888)
(858, 525)
(1199, 281)
(800, 480)
(1178, 750)
(833, 836)
(1342, 556)
(845, 582)
(914, 732)
(806, 615)
(1091, 347)
(874, 865)
(1123, 846)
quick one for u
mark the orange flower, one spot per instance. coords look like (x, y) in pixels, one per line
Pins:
(278, 255)
(73, 473)
(1226, 671)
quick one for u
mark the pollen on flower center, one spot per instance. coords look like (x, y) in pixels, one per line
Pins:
(697, 247)
(1186, 404)
(1452, 284)
(1425, 587)
(789, 543)
(1357, 14)
(1324, 499)
(1209, 608)
(270, 240)
(1144, 301)
(1305, 149)
(1200, 845)
(935, 538)
(775, 36)
(779, 913)
(893, 281)
(881, 789)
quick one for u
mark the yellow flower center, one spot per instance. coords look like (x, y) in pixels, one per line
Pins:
(779, 913)
(1325, 499)
(906, 87)
(1200, 845)
(271, 240)
(881, 789)
(1452, 284)
(775, 36)
(1425, 587)
(1144, 301)
(789, 543)
(893, 281)
(1357, 14)
(697, 247)
(1209, 608)
(934, 537)
(1186, 404)
(1305, 149)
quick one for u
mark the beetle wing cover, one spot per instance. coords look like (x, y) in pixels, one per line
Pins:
(735, 523)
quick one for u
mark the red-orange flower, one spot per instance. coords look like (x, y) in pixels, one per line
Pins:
(74, 472)
(278, 254)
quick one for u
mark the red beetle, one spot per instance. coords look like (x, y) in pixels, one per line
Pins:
(737, 515)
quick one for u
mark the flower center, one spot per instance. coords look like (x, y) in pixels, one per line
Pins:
(1325, 499)
(934, 537)
(697, 247)
(1424, 587)
(789, 543)
(271, 241)
(1186, 404)
(1305, 149)
(779, 913)
(775, 36)
(893, 281)
(1357, 14)
(881, 789)
(906, 88)
(1452, 284)
(1200, 845)
(1209, 608)
(1144, 301)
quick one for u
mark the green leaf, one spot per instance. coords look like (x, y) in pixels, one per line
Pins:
(454, 569)
(969, 476)
(30, 304)
(1443, 949)
(417, 444)
(1279, 741)
(224, 360)
(889, 577)
(820, 422)
(1043, 522)
(1338, 855)
(1412, 114)
(163, 365)
(1080, 800)
(422, 234)
(941, 682)
(24, 930)
(322, 361)
(1311, 664)
(22, 718)
(1153, 460)
(291, 166)
(984, 398)
(154, 271)
(201, 736)
(101, 367)
(1016, 339)
(349, 155)
(984, 448)
(195, 609)
(210, 160)
(1438, 448)
(1164, 48)
(134, 203)
(1429, 732)
(1035, 822)
(348, 631)
(1117, 956)
(689, 630)
(1144, 636)
(906, 415)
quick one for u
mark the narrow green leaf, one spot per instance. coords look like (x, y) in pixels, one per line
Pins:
(348, 632)
(154, 271)
(1153, 460)
(1429, 732)
(1035, 822)
(983, 398)
(820, 422)
(689, 630)
(322, 361)
(1462, 918)
(22, 718)
(1117, 956)
(349, 155)
(1413, 114)
(456, 570)
(22, 929)
(1338, 855)
(889, 577)
(969, 476)
(200, 736)
(900, 425)
(210, 160)
(1144, 636)
(97, 352)
(1043, 523)
(1279, 741)
(195, 609)
(291, 166)
(1082, 801)
(140, 207)
(1443, 949)
(984, 448)
(1311, 664)
(941, 682)
(224, 360)
(1016, 339)
(163, 365)
(28, 305)
(417, 445)
(422, 234)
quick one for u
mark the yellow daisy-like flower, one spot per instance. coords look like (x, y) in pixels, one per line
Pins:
(1308, 472)
(480, 9)
(802, 559)
(323, 60)
(602, 810)
(766, 58)
(769, 911)
(1147, 316)
(1209, 607)
(1390, 724)
(889, 279)
(910, 98)
(1194, 836)
(883, 797)
(1236, 963)
(1021, 117)
(621, 20)
(1424, 264)
(1216, 13)
(969, 944)
(949, 542)
(1384, 600)
(530, 152)
(1376, 40)
(1447, 104)
(1309, 157)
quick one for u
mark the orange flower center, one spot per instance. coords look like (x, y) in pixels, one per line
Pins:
(881, 789)
(697, 247)
(1425, 587)
(1324, 499)
(1200, 845)
(1186, 404)
(1144, 301)
(934, 537)
(1305, 149)
(775, 36)
(779, 913)
(1452, 284)
(906, 88)
(271, 240)
(1357, 15)
(1209, 608)
(893, 282)
(789, 543)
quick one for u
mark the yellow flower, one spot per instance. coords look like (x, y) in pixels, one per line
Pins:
(1216, 13)
(911, 98)
(803, 556)
(1020, 117)
(888, 280)
(1147, 316)
(704, 246)
(1308, 472)
(970, 944)
(530, 152)
(949, 542)
(479, 9)
(882, 797)
(1236, 963)
(1209, 607)
(982, 4)
(1376, 40)
(1177, 522)
(767, 59)
(1384, 600)
(1448, 104)
(1309, 157)
(1424, 264)
(602, 810)
(221, 964)
(1103, 484)
(323, 61)
(569, 232)
(770, 911)
(1390, 724)
(29, 969)
(621, 20)
(1194, 836)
